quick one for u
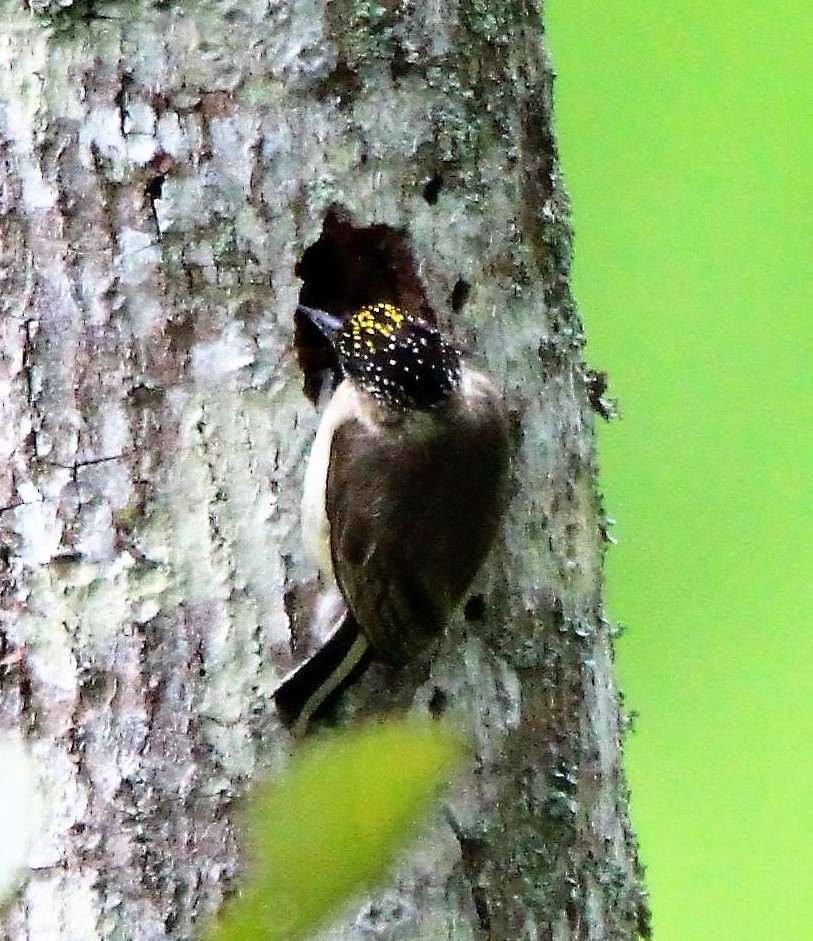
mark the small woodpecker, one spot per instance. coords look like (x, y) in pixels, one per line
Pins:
(404, 493)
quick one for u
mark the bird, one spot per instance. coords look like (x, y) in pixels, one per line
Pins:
(403, 496)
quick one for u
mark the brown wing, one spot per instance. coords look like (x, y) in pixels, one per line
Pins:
(412, 516)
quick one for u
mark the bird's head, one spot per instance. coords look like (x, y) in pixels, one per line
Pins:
(399, 359)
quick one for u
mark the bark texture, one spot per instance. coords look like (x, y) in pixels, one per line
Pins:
(174, 176)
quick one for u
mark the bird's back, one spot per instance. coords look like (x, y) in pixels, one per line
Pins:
(413, 506)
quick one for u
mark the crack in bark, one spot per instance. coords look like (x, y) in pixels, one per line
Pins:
(472, 858)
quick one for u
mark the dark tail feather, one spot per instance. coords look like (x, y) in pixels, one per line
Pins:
(321, 678)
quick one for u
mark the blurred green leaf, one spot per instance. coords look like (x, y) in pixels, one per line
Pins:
(331, 826)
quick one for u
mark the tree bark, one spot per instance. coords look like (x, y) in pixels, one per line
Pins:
(175, 177)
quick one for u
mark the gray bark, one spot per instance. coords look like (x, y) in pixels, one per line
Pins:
(165, 169)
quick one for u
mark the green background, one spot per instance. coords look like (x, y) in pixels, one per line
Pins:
(686, 136)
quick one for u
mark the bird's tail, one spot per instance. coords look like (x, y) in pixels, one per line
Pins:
(313, 685)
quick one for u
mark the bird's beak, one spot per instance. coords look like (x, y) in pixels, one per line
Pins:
(327, 323)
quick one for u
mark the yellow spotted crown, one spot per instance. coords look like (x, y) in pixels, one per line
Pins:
(400, 359)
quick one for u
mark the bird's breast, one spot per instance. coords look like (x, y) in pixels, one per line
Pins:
(346, 404)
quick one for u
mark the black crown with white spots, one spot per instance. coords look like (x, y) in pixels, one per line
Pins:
(399, 359)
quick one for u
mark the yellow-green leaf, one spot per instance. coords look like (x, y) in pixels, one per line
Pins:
(331, 825)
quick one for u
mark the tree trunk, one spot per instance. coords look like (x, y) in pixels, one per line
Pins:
(175, 177)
